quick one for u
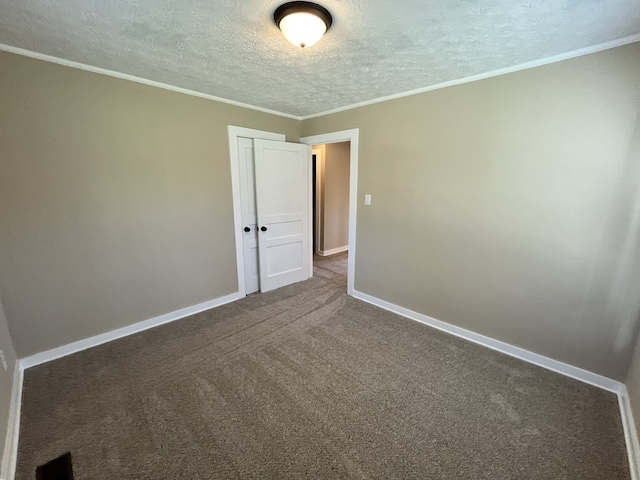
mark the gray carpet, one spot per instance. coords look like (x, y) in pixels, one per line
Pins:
(306, 382)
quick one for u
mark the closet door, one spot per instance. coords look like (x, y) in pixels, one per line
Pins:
(249, 218)
(282, 177)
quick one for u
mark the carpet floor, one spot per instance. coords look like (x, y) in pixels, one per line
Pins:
(307, 382)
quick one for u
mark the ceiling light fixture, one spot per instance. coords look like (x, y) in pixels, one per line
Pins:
(302, 23)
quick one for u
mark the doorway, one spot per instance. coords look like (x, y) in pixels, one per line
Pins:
(351, 136)
(331, 198)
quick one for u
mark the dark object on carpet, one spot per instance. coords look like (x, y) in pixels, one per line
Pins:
(307, 382)
(57, 469)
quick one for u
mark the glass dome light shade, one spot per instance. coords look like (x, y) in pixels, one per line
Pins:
(302, 29)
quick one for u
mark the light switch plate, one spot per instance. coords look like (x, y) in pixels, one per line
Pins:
(367, 199)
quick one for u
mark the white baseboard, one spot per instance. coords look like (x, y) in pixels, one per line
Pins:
(10, 454)
(325, 253)
(630, 433)
(540, 360)
(9, 458)
(80, 345)
(619, 388)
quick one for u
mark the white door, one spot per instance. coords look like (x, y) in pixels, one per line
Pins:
(282, 179)
(249, 219)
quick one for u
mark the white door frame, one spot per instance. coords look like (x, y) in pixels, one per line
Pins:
(317, 215)
(234, 134)
(336, 137)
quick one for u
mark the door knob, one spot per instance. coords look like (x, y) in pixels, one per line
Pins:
(264, 229)
(247, 229)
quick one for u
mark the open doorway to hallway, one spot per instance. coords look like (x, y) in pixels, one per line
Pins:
(330, 187)
(350, 140)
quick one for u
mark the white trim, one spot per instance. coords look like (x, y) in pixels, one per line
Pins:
(310, 209)
(234, 158)
(511, 350)
(317, 220)
(620, 389)
(333, 251)
(352, 136)
(133, 78)
(630, 433)
(481, 76)
(80, 345)
(10, 454)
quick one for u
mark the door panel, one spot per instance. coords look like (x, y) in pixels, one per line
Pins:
(282, 177)
(249, 218)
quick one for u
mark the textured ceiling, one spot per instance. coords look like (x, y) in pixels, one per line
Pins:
(375, 48)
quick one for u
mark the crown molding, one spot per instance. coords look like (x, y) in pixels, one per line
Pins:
(133, 78)
(481, 76)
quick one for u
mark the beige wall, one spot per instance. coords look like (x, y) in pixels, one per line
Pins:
(6, 381)
(115, 201)
(335, 196)
(318, 219)
(508, 206)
